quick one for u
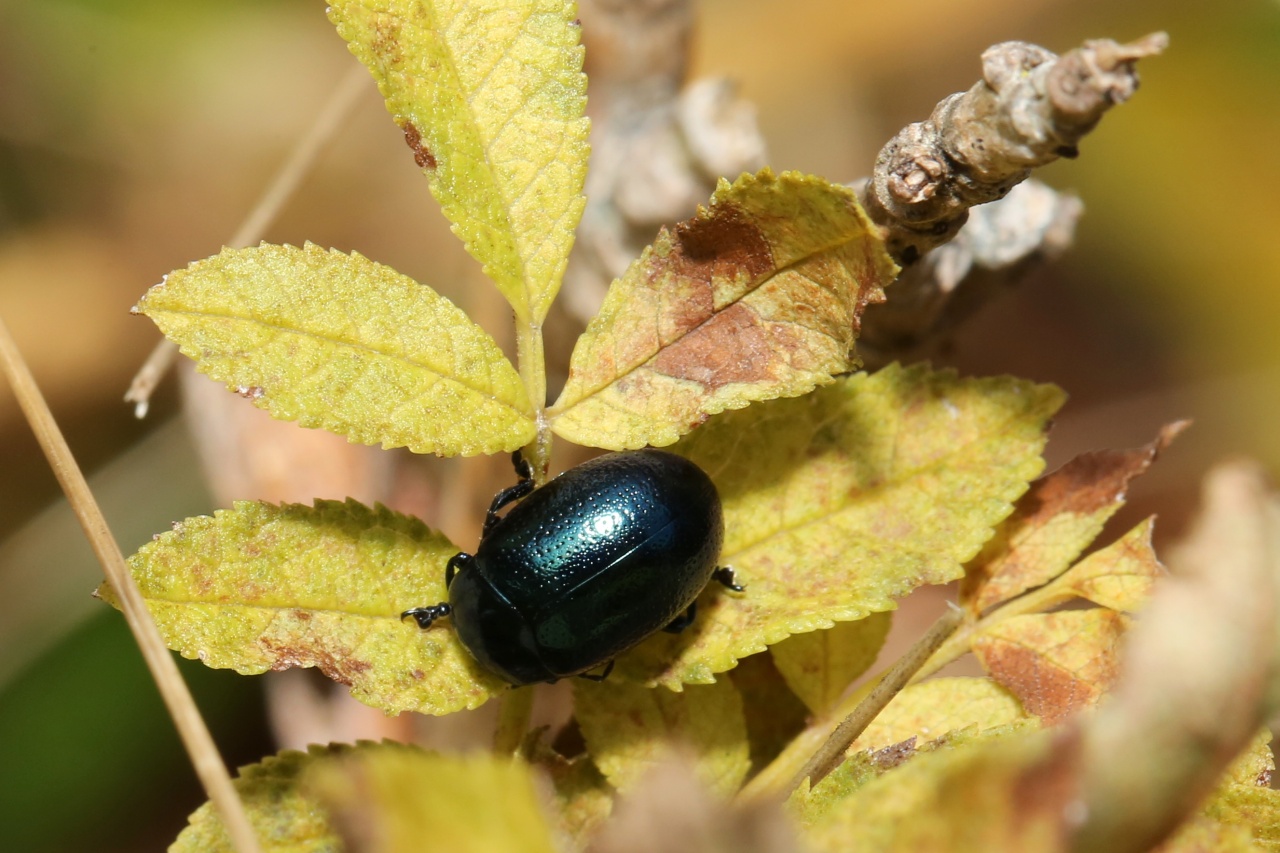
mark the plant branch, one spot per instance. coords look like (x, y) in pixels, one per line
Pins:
(815, 751)
(1031, 107)
(889, 685)
(177, 698)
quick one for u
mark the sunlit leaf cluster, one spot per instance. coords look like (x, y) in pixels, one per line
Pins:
(731, 340)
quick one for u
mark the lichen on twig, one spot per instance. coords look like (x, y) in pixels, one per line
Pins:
(1030, 108)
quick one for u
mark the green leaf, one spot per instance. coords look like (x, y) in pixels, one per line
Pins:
(409, 801)
(819, 665)
(285, 817)
(491, 97)
(629, 729)
(345, 344)
(261, 587)
(758, 296)
(839, 502)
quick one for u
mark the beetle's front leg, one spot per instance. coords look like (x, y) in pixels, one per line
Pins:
(510, 494)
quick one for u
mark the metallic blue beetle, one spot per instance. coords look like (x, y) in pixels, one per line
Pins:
(586, 566)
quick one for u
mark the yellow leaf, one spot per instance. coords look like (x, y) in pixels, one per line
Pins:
(932, 708)
(630, 729)
(1055, 521)
(1055, 663)
(1251, 807)
(758, 296)
(261, 587)
(841, 501)
(284, 816)
(491, 97)
(1202, 835)
(774, 715)
(1120, 576)
(1255, 765)
(409, 801)
(808, 806)
(582, 797)
(818, 666)
(345, 344)
(967, 799)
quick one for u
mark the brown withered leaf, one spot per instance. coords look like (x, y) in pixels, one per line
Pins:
(1055, 663)
(1055, 521)
(756, 297)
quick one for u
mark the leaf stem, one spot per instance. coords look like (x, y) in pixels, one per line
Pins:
(191, 727)
(531, 360)
(514, 710)
(864, 705)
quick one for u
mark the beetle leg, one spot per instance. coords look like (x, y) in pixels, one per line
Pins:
(602, 676)
(682, 621)
(510, 494)
(724, 575)
(424, 616)
(456, 563)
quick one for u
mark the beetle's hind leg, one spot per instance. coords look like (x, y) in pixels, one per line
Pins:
(510, 494)
(724, 575)
(601, 677)
(425, 616)
(684, 620)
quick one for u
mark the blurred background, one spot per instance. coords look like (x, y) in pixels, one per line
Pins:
(135, 135)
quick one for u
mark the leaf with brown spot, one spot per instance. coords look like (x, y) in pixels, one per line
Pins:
(758, 296)
(1055, 521)
(1055, 663)
(841, 501)
(491, 99)
(261, 587)
(821, 664)
(629, 729)
(932, 708)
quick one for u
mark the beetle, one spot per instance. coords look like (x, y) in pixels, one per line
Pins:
(585, 566)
